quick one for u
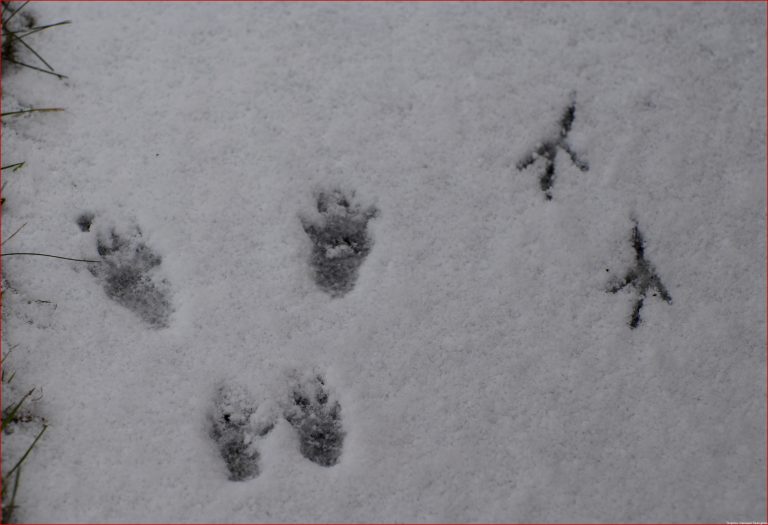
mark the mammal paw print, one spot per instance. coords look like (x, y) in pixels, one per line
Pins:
(341, 240)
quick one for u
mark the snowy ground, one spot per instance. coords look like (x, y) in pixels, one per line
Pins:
(478, 369)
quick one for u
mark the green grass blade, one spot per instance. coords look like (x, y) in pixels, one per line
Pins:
(33, 110)
(21, 460)
(14, 233)
(8, 510)
(3, 358)
(11, 413)
(22, 64)
(43, 28)
(52, 256)
(15, 167)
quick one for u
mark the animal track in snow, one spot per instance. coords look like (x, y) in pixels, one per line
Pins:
(642, 277)
(127, 273)
(341, 240)
(317, 417)
(84, 221)
(235, 427)
(548, 151)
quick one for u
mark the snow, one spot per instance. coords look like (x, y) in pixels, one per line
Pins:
(482, 370)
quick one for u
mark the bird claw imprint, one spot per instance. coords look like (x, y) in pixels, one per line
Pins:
(126, 269)
(341, 240)
(317, 418)
(235, 427)
(642, 277)
(548, 151)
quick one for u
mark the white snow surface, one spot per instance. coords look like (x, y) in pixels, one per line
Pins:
(483, 371)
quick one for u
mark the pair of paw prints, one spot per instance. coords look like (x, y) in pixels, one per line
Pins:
(341, 242)
(128, 271)
(238, 423)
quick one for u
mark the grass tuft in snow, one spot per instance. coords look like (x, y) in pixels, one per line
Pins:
(13, 415)
(16, 27)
